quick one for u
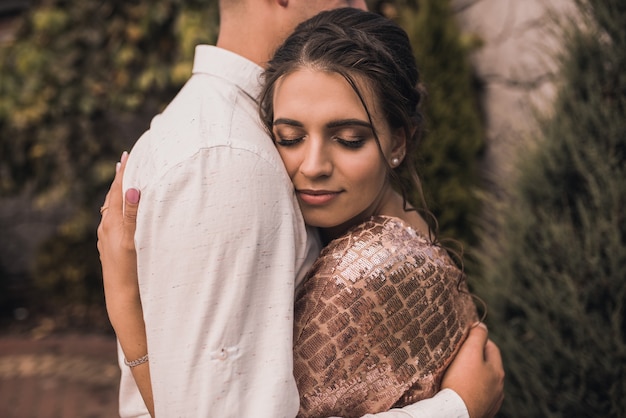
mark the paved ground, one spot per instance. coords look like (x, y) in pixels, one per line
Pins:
(58, 377)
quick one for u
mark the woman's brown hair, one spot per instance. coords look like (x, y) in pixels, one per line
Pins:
(366, 46)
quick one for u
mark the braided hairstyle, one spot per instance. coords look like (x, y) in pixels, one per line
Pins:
(367, 46)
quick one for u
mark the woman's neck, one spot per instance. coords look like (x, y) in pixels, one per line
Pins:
(391, 204)
(395, 206)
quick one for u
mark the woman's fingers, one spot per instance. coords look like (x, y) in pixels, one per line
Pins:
(131, 206)
(476, 374)
(492, 354)
(111, 209)
(474, 345)
(115, 201)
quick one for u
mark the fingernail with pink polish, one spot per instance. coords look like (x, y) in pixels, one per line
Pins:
(132, 196)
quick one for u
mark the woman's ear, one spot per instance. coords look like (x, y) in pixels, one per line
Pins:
(398, 147)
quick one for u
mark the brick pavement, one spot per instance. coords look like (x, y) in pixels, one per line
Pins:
(71, 376)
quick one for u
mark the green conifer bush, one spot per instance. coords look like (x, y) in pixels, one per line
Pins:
(555, 259)
(449, 157)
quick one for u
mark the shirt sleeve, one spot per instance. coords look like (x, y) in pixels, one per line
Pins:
(445, 404)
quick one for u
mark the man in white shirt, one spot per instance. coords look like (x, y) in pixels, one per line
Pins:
(221, 243)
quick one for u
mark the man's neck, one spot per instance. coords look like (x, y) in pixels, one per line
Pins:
(254, 38)
(252, 50)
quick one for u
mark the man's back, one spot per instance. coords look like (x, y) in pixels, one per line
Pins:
(217, 236)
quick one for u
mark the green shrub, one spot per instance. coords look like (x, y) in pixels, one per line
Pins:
(555, 262)
(79, 85)
(449, 158)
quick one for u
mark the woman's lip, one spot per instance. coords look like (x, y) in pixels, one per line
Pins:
(317, 197)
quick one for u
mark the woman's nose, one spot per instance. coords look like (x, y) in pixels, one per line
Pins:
(317, 161)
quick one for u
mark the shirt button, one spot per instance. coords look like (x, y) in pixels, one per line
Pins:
(222, 355)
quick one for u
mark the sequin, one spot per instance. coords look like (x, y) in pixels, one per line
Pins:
(378, 319)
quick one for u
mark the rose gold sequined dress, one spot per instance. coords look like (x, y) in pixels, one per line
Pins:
(378, 319)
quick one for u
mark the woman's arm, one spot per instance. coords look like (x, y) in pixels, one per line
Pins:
(377, 321)
(119, 272)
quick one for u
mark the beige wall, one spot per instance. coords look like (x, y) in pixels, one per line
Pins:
(515, 64)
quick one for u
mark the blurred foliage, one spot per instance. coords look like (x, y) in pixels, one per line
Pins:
(78, 85)
(555, 260)
(82, 79)
(449, 157)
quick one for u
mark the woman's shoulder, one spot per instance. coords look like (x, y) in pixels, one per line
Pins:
(380, 243)
(381, 232)
(382, 294)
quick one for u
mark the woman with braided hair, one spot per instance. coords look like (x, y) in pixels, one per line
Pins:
(383, 311)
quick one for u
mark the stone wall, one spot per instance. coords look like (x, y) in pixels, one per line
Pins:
(516, 67)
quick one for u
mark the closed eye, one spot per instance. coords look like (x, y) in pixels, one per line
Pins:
(351, 143)
(285, 142)
(287, 132)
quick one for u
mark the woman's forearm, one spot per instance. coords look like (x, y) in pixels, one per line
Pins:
(126, 316)
(119, 278)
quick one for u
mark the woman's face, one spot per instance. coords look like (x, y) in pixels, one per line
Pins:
(327, 144)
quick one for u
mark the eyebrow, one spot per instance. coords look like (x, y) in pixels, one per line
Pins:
(348, 122)
(333, 124)
(285, 121)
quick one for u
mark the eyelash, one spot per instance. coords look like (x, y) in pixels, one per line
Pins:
(289, 142)
(352, 144)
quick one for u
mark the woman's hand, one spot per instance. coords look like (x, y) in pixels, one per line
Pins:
(116, 244)
(116, 232)
(477, 374)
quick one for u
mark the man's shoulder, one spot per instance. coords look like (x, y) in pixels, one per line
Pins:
(204, 101)
(205, 114)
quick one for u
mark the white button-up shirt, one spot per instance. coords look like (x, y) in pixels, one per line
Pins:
(220, 242)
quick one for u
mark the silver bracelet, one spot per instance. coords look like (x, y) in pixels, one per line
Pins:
(135, 363)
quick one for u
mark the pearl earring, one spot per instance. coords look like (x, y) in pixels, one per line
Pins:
(395, 161)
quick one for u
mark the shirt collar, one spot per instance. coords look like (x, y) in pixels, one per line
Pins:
(225, 64)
